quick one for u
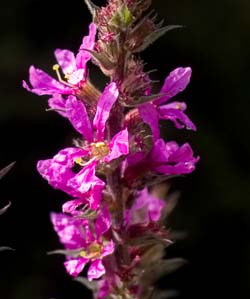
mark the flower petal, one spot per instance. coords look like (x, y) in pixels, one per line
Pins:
(149, 114)
(108, 248)
(176, 82)
(86, 180)
(96, 270)
(103, 221)
(118, 146)
(72, 205)
(78, 116)
(57, 103)
(179, 118)
(56, 174)
(43, 84)
(66, 60)
(74, 267)
(88, 42)
(57, 171)
(105, 103)
(70, 230)
(76, 77)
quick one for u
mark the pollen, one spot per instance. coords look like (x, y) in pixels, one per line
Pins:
(78, 161)
(99, 149)
(83, 253)
(56, 67)
(95, 250)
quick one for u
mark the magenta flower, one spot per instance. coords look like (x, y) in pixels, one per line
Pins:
(164, 158)
(97, 147)
(73, 68)
(146, 208)
(85, 185)
(152, 112)
(84, 242)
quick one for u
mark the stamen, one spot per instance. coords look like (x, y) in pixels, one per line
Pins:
(56, 68)
(99, 149)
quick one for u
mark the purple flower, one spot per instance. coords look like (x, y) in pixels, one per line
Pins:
(146, 208)
(164, 158)
(152, 112)
(84, 242)
(73, 68)
(97, 147)
(85, 185)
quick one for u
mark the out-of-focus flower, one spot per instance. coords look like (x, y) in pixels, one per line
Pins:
(145, 208)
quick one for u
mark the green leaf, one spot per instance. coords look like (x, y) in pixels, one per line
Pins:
(154, 36)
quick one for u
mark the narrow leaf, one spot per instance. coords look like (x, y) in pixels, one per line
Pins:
(154, 36)
(4, 209)
(6, 169)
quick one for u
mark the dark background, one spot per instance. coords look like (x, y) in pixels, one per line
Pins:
(214, 207)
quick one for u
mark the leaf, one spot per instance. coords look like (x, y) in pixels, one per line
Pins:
(104, 62)
(6, 169)
(154, 36)
(5, 248)
(4, 209)
(73, 253)
(146, 99)
(164, 267)
(92, 7)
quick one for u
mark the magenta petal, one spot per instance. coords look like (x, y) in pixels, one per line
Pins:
(158, 154)
(149, 114)
(68, 155)
(180, 160)
(72, 205)
(179, 118)
(66, 60)
(96, 270)
(55, 173)
(118, 146)
(145, 208)
(176, 82)
(43, 84)
(78, 116)
(74, 267)
(88, 42)
(95, 196)
(69, 230)
(103, 221)
(85, 180)
(108, 248)
(57, 103)
(105, 103)
(76, 77)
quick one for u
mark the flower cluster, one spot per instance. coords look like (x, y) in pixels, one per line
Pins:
(113, 220)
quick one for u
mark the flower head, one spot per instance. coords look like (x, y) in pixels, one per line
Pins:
(176, 82)
(164, 158)
(73, 68)
(84, 242)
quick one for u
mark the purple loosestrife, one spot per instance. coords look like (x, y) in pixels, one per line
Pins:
(114, 221)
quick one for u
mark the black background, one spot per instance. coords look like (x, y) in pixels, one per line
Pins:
(214, 206)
